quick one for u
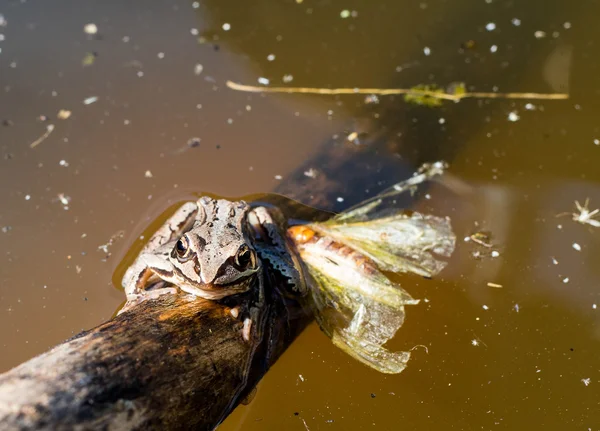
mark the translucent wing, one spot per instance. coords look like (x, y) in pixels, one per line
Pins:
(400, 243)
(355, 303)
(357, 306)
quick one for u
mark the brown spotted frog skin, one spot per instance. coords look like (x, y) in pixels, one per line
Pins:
(215, 248)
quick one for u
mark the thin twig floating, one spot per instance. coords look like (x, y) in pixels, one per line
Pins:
(38, 141)
(391, 91)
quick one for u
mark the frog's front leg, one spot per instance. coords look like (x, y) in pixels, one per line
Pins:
(152, 265)
(274, 247)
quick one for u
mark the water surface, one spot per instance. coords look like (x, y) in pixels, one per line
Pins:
(520, 356)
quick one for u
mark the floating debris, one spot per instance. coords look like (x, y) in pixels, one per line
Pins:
(539, 34)
(226, 26)
(287, 78)
(271, 57)
(490, 26)
(513, 116)
(64, 163)
(148, 174)
(6, 229)
(311, 173)
(198, 68)
(63, 114)
(586, 381)
(38, 141)
(585, 216)
(90, 100)
(263, 81)
(3, 22)
(90, 28)
(88, 59)
(576, 246)
(113, 238)
(496, 285)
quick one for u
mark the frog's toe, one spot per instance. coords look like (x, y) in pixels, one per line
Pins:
(246, 330)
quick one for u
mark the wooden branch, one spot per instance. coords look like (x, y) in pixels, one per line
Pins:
(167, 363)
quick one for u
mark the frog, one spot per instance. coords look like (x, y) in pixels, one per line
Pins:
(214, 249)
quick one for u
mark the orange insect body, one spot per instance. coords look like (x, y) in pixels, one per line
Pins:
(303, 235)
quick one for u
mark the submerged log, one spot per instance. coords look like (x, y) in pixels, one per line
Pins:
(167, 363)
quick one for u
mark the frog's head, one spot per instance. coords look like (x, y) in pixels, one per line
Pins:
(215, 255)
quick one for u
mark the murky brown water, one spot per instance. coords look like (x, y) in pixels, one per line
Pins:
(522, 356)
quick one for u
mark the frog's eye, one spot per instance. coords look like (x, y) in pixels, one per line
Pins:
(181, 248)
(245, 258)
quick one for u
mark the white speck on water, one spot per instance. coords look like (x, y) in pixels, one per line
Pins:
(90, 100)
(230, 121)
(345, 14)
(64, 199)
(140, 73)
(567, 25)
(530, 106)
(427, 51)
(196, 5)
(586, 381)
(64, 163)
(485, 307)
(493, 48)
(513, 116)
(126, 39)
(194, 31)
(539, 34)
(554, 261)
(490, 26)
(27, 197)
(126, 122)
(442, 120)
(287, 78)
(3, 21)
(198, 68)
(90, 28)
(226, 26)
(467, 238)
(495, 253)
(516, 307)
(199, 106)
(278, 177)
(576, 246)
(262, 80)
(161, 55)
(148, 174)
(474, 342)
(340, 199)
(565, 280)
(271, 57)
(2, 38)
(596, 141)
(516, 22)
(311, 173)
(594, 306)
(301, 377)
(248, 108)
